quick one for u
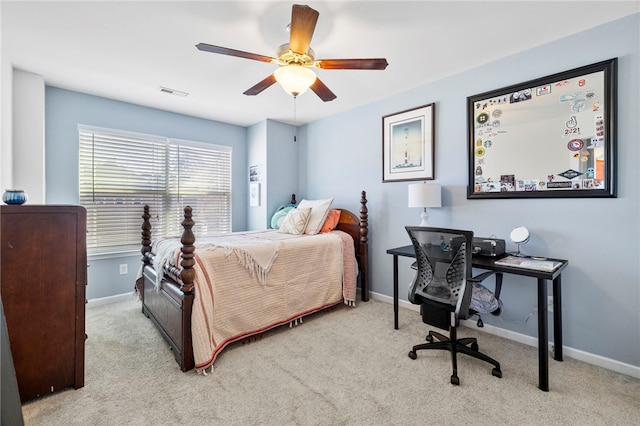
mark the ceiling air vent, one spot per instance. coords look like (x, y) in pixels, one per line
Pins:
(173, 92)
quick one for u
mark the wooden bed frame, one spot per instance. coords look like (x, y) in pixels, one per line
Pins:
(170, 306)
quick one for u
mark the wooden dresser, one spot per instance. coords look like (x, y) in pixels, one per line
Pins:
(42, 283)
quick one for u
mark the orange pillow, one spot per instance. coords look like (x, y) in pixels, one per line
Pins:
(332, 220)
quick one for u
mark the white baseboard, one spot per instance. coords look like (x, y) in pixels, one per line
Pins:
(110, 299)
(600, 361)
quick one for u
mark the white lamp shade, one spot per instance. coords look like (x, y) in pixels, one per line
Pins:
(294, 79)
(425, 195)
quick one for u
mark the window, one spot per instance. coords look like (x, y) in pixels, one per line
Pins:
(120, 172)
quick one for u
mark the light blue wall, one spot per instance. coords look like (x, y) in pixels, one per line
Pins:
(341, 155)
(64, 110)
(257, 156)
(271, 145)
(282, 166)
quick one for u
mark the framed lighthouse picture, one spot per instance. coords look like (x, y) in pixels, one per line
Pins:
(408, 145)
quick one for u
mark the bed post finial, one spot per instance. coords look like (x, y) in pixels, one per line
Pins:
(146, 235)
(188, 274)
(364, 248)
(293, 199)
(364, 219)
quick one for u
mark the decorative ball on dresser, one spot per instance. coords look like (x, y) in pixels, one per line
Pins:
(14, 196)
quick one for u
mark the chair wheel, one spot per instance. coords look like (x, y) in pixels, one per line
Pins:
(455, 380)
(474, 346)
(496, 372)
(429, 338)
(412, 355)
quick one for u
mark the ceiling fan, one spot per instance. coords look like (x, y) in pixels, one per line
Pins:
(296, 58)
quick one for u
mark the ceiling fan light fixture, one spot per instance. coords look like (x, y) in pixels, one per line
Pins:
(296, 58)
(294, 79)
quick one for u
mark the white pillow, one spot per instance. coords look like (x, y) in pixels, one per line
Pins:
(319, 211)
(295, 221)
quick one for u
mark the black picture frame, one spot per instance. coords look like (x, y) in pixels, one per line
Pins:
(551, 137)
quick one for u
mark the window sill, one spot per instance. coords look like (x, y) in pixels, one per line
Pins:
(113, 255)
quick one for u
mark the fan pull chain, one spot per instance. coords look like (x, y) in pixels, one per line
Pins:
(295, 120)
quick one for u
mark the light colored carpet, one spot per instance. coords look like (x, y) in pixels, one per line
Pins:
(343, 367)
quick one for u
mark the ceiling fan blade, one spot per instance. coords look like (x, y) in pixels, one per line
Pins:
(232, 52)
(303, 23)
(260, 86)
(352, 64)
(323, 92)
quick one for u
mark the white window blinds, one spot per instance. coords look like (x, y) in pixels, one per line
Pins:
(120, 172)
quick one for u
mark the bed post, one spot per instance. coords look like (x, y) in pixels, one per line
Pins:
(188, 274)
(364, 247)
(293, 199)
(145, 250)
(146, 235)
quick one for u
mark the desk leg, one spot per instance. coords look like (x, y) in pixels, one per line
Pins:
(395, 292)
(557, 319)
(498, 288)
(543, 336)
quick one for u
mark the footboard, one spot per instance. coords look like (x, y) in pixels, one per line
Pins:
(169, 305)
(170, 309)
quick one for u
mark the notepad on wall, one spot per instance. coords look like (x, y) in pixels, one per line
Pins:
(528, 263)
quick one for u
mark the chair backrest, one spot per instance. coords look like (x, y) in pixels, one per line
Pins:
(443, 258)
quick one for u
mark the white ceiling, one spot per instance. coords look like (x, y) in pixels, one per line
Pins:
(127, 50)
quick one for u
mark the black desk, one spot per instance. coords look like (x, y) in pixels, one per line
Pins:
(487, 263)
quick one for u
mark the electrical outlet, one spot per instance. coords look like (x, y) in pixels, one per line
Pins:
(550, 303)
(124, 269)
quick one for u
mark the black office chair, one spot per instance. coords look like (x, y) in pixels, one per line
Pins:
(443, 289)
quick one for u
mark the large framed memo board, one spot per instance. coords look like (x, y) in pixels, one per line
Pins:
(550, 137)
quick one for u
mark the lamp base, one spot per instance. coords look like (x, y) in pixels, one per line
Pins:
(423, 218)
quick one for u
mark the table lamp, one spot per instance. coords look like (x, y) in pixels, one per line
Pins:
(425, 195)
